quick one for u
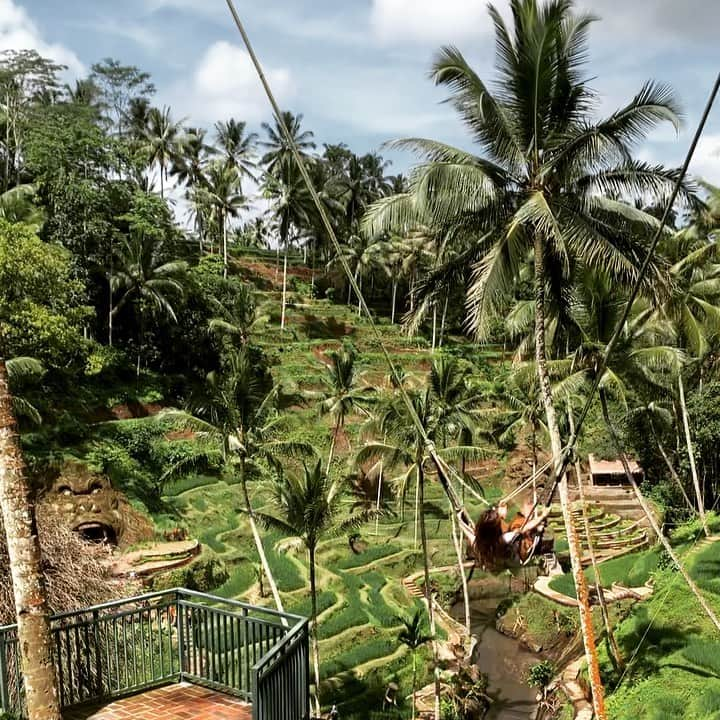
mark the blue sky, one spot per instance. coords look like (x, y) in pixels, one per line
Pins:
(357, 69)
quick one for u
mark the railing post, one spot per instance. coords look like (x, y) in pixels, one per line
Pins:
(180, 634)
(4, 695)
(96, 643)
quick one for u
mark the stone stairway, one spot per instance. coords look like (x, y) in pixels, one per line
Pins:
(612, 534)
(614, 499)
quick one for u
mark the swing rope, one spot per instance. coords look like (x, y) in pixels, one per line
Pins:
(430, 447)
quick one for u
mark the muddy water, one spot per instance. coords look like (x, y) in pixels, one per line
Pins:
(504, 661)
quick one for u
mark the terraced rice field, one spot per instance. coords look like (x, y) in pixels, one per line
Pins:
(361, 595)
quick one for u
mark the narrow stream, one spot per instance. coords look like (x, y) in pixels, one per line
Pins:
(503, 660)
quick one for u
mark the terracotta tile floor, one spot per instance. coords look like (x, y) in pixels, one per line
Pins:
(174, 702)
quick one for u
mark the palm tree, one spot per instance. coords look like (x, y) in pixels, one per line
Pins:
(31, 608)
(413, 636)
(224, 196)
(691, 314)
(238, 409)
(278, 153)
(545, 188)
(237, 147)
(310, 508)
(341, 394)
(404, 449)
(291, 208)
(145, 278)
(21, 370)
(234, 312)
(163, 141)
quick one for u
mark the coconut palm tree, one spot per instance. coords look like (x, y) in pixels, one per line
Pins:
(164, 139)
(341, 394)
(222, 193)
(234, 313)
(404, 451)
(291, 207)
(691, 314)
(311, 507)
(238, 408)
(237, 147)
(146, 279)
(545, 188)
(35, 643)
(414, 636)
(278, 154)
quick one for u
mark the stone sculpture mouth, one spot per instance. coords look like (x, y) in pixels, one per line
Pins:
(97, 531)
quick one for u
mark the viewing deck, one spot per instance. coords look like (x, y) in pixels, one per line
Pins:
(174, 654)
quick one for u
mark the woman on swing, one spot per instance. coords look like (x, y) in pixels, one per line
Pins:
(494, 541)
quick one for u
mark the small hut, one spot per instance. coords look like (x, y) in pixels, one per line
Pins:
(611, 472)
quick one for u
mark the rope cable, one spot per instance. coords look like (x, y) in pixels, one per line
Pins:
(396, 377)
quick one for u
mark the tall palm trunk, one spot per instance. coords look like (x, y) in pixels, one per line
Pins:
(651, 517)
(691, 456)
(258, 540)
(671, 469)
(284, 285)
(428, 590)
(315, 642)
(444, 318)
(225, 244)
(162, 181)
(434, 327)
(31, 608)
(414, 682)
(333, 440)
(615, 653)
(574, 547)
(394, 301)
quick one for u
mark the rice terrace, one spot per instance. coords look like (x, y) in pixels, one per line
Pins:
(359, 361)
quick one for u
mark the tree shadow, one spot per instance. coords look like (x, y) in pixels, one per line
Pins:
(331, 328)
(356, 695)
(657, 643)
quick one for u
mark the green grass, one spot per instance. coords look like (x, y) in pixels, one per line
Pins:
(630, 570)
(675, 671)
(374, 552)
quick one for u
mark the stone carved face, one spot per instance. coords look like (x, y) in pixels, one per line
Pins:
(89, 503)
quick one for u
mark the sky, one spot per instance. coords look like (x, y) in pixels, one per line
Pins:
(358, 69)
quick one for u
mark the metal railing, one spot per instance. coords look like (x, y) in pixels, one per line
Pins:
(128, 646)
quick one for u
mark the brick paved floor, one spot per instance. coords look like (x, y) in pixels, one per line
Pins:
(174, 702)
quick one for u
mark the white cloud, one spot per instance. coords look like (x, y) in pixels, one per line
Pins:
(226, 85)
(428, 21)
(706, 161)
(19, 32)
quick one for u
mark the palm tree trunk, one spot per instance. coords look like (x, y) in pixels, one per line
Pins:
(651, 517)
(574, 547)
(434, 327)
(444, 317)
(418, 507)
(691, 456)
(225, 249)
(162, 183)
(284, 287)
(671, 469)
(428, 591)
(461, 568)
(333, 440)
(394, 299)
(360, 296)
(612, 642)
(258, 540)
(414, 682)
(316, 647)
(379, 497)
(31, 609)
